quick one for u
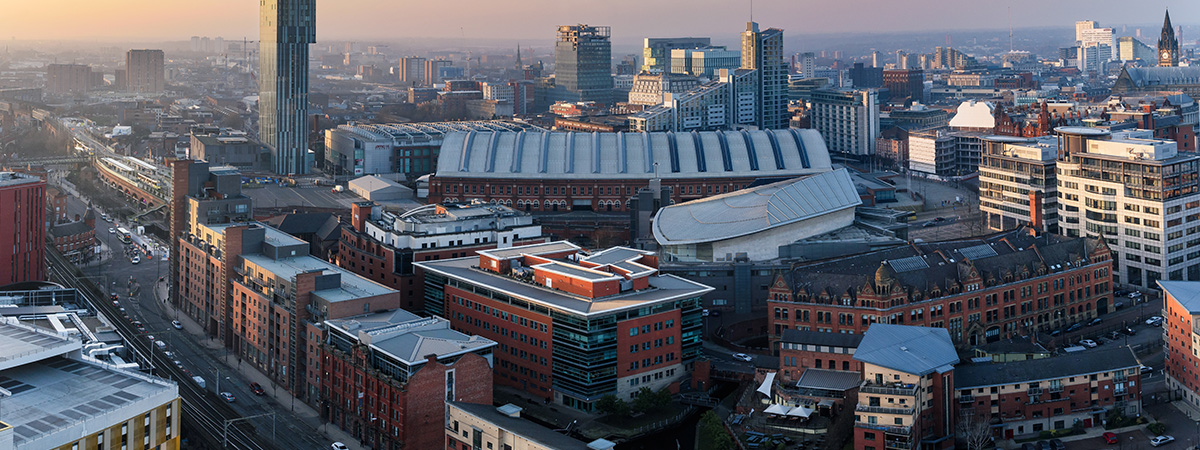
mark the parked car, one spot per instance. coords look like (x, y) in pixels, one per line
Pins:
(1118, 305)
(929, 224)
(1096, 321)
(257, 389)
(1114, 335)
(228, 397)
(1088, 343)
(1045, 445)
(1109, 437)
(743, 357)
(1129, 331)
(1161, 440)
(1029, 446)
(178, 325)
(1135, 294)
(1058, 444)
(339, 446)
(1057, 332)
(1074, 327)
(1154, 321)
(111, 230)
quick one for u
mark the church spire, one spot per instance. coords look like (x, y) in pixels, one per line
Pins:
(1168, 45)
(519, 56)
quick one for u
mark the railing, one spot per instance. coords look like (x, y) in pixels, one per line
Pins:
(893, 429)
(883, 409)
(885, 389)
(1058, 388)
(1120, 391)
(966, 399)
(904, 445)
(1034, 391)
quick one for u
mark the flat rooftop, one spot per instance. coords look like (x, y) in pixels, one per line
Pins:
(273, 235)
(352, 285)
(576, 271)
(663, 288)
(23, 344)
(534, 249)
(615, 255)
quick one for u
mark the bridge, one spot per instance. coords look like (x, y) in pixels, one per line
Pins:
(697, 399)
(49, 161)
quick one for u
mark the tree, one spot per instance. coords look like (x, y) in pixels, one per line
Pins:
(712, 433)
(644, 400)
(973, 431)
(611, 405)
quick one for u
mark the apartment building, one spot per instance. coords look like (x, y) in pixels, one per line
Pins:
(1018, 183)
(1181, 306)
(848, 119)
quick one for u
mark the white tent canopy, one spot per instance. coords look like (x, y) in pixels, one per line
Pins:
(800, 411)
(767, 384)
(777, 409)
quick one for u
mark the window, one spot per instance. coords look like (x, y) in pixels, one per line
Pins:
(450, 385)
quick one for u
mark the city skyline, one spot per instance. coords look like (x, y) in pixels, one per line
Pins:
(68, 20)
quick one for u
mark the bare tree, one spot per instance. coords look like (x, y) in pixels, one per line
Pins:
(974, 432)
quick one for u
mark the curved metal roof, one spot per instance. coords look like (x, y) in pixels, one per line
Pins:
(757, 209)
(572, 155)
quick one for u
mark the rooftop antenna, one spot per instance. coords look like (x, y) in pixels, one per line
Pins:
(751, 10)
(1010, 34)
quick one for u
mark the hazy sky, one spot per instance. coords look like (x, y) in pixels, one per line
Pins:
(122, 20)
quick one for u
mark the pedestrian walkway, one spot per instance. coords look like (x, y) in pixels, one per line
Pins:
(284, 400)
(1187, 409)
(1089, 433)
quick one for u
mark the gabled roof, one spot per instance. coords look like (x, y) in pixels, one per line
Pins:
(1187, 293)
(749, 211)
(1073, 364)
(300, 223)
(1163, 76)
(909, 349)
(70, 229)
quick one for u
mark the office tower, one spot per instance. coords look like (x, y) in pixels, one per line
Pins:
(23, 230)
(866, 77)
(1017, 183)
(583, 64)
(847, 119)
(433, 70)
(68, 78)
(286, 28)
(144, 71)
(876, 59)
(808, 65)
(1168, 45)
(704, 62)
(1094, 58)
(905, 84)
(1129, 49)
(656, 52)
(763, 51)
(1135, 191)
(1089, 34)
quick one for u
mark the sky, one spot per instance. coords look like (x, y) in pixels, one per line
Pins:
(173, 20)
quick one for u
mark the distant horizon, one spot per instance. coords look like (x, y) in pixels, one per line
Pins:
(71, 21)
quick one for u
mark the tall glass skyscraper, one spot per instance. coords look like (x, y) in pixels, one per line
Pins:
(763, 51)
(286, 29)
(583, 64)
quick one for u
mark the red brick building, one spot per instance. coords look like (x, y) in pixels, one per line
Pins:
(905, 83)
(23, 230)
(1180, 308)
(800, 350)
(573, 327)
(75, 240)
(383, 246)
(386, 377)
(1021, 398)
(981, 290)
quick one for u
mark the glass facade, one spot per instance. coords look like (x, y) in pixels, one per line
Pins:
(583, 62)
(286, 29)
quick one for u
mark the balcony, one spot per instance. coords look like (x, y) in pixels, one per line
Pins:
(1120, 390)
(966, 399)
(892, 429)
(1034, 391)
(884, 409)
(1054, 389)
(903, 445)
(889, 389)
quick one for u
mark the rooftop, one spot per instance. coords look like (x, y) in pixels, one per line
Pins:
(1013, 345)
(753, 210)
(1187, 293)
(520, 427)
(821, 338)
(15, 178)
(533, 249)
(1097, 360)
(408, 337)
(352, 286)
(833, 380)
(22, 344)
(909, 349)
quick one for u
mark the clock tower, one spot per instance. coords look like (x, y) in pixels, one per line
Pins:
(1168, 46)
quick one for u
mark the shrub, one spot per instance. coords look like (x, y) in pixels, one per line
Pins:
(1157, 428)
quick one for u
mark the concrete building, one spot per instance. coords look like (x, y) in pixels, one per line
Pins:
(56, 397)
(474, 425)
(704, 62)
(1088, 33)
(1135, 192)
(1017, 183)
(847, 119)
(1046, 282)
(408, 148)
(907, 396)
(1031, 396)
(583, 64)
(589, 325)
(68, 78)
(378, 189)
(763, 52)
(144, 71)
(286, 28)
(754, 223)
(23, 231)
(433, 71)
(383, 245)
(412, 70)
(1130, 48)
(230, 149)
(727, 103)
(601, 171)
(652, 89)
(389, 377)
(656, 52)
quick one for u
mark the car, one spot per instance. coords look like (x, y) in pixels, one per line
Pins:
(111, 230)
(1118, 305)
(339, 446)
(715, 313)
(178, 363)
(1109, 437)
(1146, 370)
(257, 389)
(1129, 331)
(705, 313)
(1029, 446)
(743, 357)
(929, 224)
(136, 259)
(1096, 321)
(1114, 335)
(228, 397)
(177, 324)
(1161, 440)
(1154, 321)
(1057, 332)
(1057, 444)
(1088, 343)
(1074, 327)
(114, 297)
(1135, 294)
(161, 346)
(1045, 445)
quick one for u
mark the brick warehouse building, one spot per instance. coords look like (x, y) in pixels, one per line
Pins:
(552, 171)
(386, 377)
(23, 230)
(383, 246)
(981, 289)
(573, 327)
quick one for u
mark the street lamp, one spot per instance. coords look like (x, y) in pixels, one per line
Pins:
(225, 427)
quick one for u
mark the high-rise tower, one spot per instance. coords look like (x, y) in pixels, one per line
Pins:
(583, 64)
(286, 27)
(1168, 46)
(763, 51)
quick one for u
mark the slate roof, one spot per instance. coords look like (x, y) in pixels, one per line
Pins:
(70, 229)
(1095, 360)
(749, 211)
(521, 427)
(1163, 76)
(1013, 346)
(574, 155)
(834, 380)
(1187, 293)
(300, 223)
(821, 338)
(909, 349)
